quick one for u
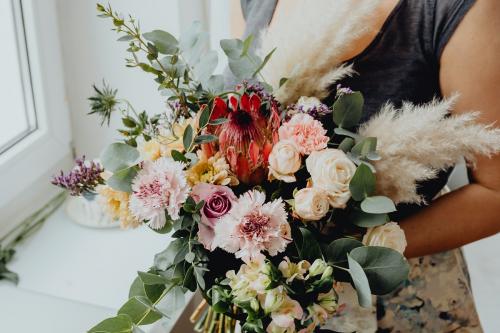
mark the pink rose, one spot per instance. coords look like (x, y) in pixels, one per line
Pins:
(218, 202)
(307, 133)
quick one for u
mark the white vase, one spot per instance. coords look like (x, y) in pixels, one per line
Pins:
(88, 213)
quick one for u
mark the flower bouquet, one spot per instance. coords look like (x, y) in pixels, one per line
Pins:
(268, 207)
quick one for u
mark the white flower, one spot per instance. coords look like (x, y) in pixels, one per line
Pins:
(284, 161)
(311, 203)
(331, 170)
(292, 270)
(253, 226)
(251, 280)
(388, 235)
(325, 307)
(272, 299)
(158, 187)
(307, 103)
(283, 320)
(318, 267)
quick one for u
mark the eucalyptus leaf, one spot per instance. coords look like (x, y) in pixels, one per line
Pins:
(205, 67)
(363, 183)
(164, 42)
(243, 68)
(378, 205)
(206, 138)
(367, 220)
(233, 48)
(173, 302)
(360, 282)
(348, 109)
(119, 324)
(346, 144)
(151, 279)
(122, 180)
(166, 258)
(344, 132)
(336, 252)
(215, 84)
(247, 43)
(194, 43)
(385, 268)
(118, 156)
(204, 117)
(264, 62)
(365, 146)
(187, 137)
(140, 310)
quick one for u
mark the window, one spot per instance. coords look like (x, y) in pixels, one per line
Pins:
(34, 121)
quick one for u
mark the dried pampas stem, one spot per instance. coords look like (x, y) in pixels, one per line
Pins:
(417, 141)
(310, 55)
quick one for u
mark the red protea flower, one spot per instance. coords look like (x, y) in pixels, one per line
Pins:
(247, 138)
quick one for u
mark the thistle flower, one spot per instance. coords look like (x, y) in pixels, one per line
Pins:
(246, 139)
(82, 179)
(103, 103)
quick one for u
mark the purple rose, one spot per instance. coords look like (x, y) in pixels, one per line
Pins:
(218, 202)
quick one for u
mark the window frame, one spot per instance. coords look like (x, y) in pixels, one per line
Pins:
(25, 168)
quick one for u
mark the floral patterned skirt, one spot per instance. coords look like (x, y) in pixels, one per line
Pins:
(436, 298)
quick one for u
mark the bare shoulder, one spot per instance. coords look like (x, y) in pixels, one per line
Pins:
(470, 63)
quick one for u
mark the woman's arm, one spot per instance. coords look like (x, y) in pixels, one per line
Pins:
(470, 65)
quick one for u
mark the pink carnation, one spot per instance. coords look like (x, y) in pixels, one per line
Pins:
(253, 226)
(307, 132)
(158, 187)
(218, 202)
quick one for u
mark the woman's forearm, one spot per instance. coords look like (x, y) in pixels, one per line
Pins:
(458, 218)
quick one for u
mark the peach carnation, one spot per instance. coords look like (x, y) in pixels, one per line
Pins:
(307, 132)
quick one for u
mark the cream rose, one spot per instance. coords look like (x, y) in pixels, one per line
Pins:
(284, 161)
(331, 170)
(311, 203)
(388, 235)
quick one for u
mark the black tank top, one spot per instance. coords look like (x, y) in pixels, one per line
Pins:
(400, 64)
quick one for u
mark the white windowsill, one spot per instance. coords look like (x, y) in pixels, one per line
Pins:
(72, 277)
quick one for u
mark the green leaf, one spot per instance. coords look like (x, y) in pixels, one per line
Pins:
(348, 109)
(378, 205)
(219, 121)
(172, 303)
(264, 62)
(346, 144)
(193, 43)
(344, 132)
(365, 146)
(283, 80)
(336, 252)
(385, 268)
(167, 257)
(125, 38)
(215, 84)
(151, 279)
(129, 122)
(164, 42)
(189, 281)
(190, 256)
(205, 138)
(178, 156)
(247, 43)
(362, 183)
(119, 324)
(166, 228)
(360, 282)
(140, 310)
(136, 288)
(243, 68)
(367, 220)
(233, 48)
(204, 117)
(187, 138)
(122, 180)
(205, 67)
(118, 156)
(308, 246)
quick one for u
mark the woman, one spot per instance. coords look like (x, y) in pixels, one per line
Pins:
(416, 50)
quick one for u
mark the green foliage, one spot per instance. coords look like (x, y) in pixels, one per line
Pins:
(119, 156)
(346, 144)
(336, 252)
(140, 310)
(122, 180)
(385, 268)
(347, 110)
(151, 279)
(365, 147)
(378, 205)
(243, 63)
(187, 138)
(360, 282)
(119, 324)
(307, 245)
(362, 183)
(164, 42)
(367, 220)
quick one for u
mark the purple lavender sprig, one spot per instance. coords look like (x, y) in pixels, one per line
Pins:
(82, 179)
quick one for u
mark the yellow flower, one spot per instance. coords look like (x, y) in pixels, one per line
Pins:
(150, 150)
(172, 140)
(212, 170)
(115, 204)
